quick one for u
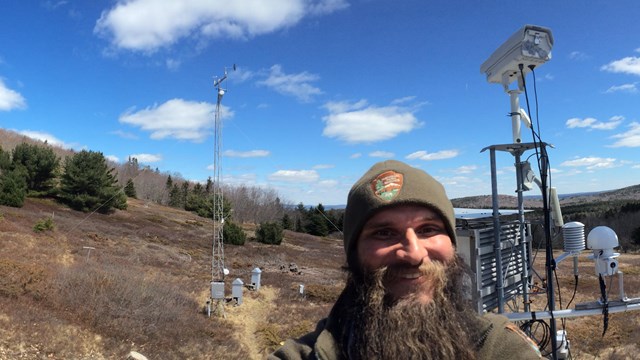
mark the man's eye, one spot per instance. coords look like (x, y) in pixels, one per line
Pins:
(429, 230)
(383, 233)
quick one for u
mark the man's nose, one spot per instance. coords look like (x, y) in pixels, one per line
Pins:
(412, 250)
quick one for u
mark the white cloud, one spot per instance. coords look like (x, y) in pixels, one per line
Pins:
(467, 169)
(403, 100)
(112, 158)
(296, 85)
(305, 176)
(438, 155)
(147, 25)
(578, 55)
(630, 138)
(124, 134)
(592, 123)
(242, 179)
(42, 136)
(176, 118)
(240, 74)
(580, 123)
(246, 154)
(591, 163)
(628, 88)
(147, 158)
(10, 99)
(627, 65)
(173, 64)
(324, 166)
(326, 6)
(609, 125)
(362, 123)
(381, 154)
(53, 5)
(328, 183)
(356, 156)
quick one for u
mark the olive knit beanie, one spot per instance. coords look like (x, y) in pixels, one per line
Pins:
(390, 183)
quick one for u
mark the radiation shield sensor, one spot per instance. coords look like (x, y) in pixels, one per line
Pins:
(601, 240)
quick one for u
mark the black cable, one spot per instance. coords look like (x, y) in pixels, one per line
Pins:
(535, 94)
(533, 327)
(605, 304)
(555, 274)
(543, 167)
(575, 289)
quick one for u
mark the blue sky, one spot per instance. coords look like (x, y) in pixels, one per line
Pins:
(323, 88)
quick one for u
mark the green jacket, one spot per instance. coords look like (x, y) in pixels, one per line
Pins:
(501, 340)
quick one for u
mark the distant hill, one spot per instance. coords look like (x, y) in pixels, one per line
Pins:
(630, 193)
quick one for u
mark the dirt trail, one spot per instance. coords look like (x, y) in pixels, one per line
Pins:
(247, 318)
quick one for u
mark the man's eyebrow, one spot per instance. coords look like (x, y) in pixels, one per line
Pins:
(387, 223)
(379, 224)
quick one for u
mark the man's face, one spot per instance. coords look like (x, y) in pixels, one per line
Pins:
(407, 240)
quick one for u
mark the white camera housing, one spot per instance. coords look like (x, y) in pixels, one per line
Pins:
(530, 45)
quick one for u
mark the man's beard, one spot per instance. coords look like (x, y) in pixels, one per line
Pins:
(383, 327)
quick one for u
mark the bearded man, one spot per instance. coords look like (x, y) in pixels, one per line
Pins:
(404, 296)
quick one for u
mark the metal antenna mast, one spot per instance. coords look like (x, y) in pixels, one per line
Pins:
(218, 270)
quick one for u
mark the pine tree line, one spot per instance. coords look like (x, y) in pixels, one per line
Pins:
(87, 181)
(84, 182)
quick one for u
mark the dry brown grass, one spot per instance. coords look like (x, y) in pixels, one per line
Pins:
(99, 286)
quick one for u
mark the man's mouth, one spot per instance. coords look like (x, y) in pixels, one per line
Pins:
(410, 275)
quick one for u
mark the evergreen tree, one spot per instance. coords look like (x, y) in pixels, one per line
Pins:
(299, 228)
(286, 222)
(13, 184)
(316, 225)
(88, 184)
(5, 160)
(209, 187)
(175, 196)
(301, 209)
(40, 164)
(13, 187)
(198, 189)
(301, 218)
(184, 193)
(169, 183)
(269, 233)
(130, 189)
(233, 234)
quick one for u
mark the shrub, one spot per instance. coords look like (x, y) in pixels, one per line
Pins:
(233, 234)
(44, 225)
(17, 279)
(270, 233)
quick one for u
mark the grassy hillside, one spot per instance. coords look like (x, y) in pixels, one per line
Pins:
(99, 286)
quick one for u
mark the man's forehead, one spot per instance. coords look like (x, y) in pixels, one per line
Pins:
(403, 212)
